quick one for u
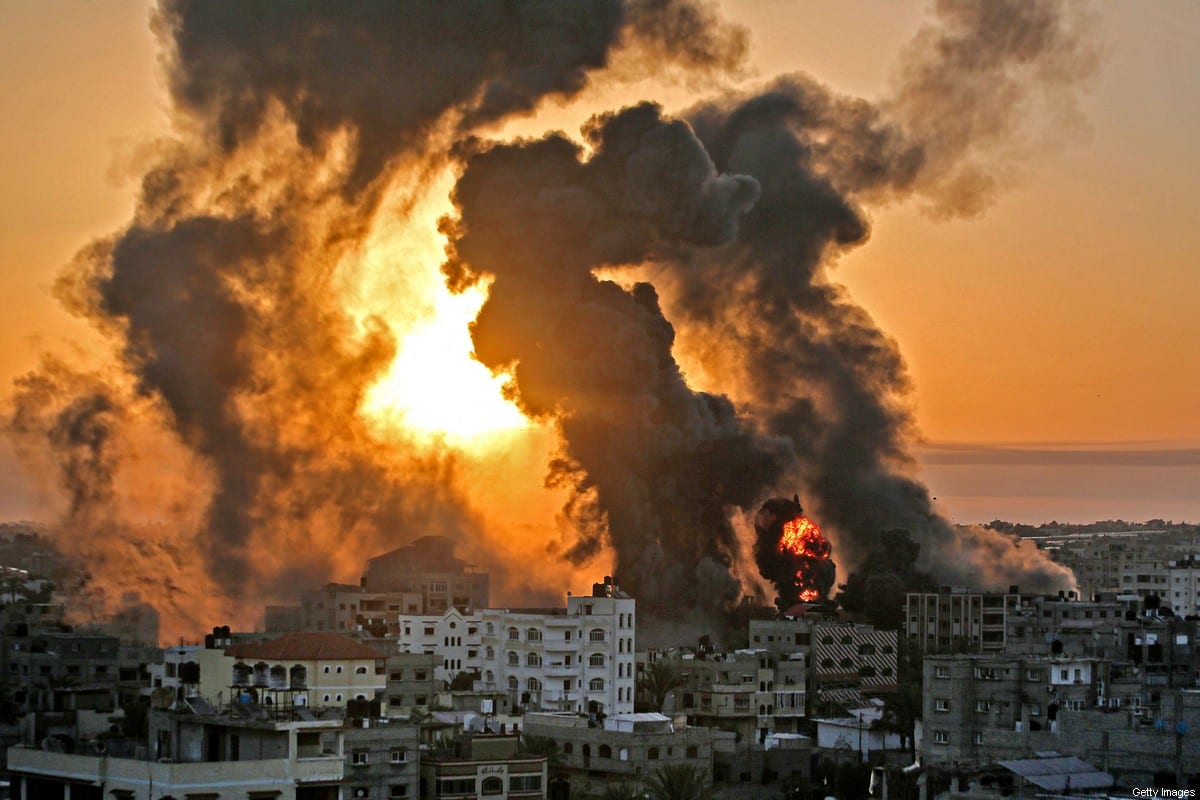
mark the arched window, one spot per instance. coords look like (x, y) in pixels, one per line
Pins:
(533, 635)
(533, 660)
(568, 748)
(490, 676)
(491, 652)
(762, 686)
(512, 682)
(596, 685)
(762, 711)
(513, 659)
(605, 751)
(652, 754)
(596, 635)
(492, 785)
(596, 660)
(491, 629)
(623, 754)
(514, 634)
(533, 685)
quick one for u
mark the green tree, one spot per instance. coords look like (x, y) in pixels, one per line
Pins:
(545, 746)
(902, 709)
(659, 679)
(679, 782)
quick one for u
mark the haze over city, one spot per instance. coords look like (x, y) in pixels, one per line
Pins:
(996, 300)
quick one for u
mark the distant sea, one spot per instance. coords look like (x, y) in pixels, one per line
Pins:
(1068, 483)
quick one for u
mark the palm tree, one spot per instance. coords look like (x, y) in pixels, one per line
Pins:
(544, 746)
(679, 782)
(659, 680)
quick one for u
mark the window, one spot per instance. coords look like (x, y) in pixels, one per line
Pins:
(514, 660)
(512, 682)
(491, 785)
(978, 738)
(339, 669)
(605, 751)
(941, 737)
(533, 635)
(533, 685)
(533, 660)
(398, 790)
(325, 669)
(360, 758)
(652, 754)
(941, 705)
(693, 751)
(596, 685)
(525, 783)
(360, 670)
(596, 635)
(398, 755)
(596, 660)
(514, 634)
(983, 706)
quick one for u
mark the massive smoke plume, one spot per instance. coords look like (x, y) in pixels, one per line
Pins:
(295, 126)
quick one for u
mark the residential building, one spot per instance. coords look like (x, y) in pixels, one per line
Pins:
(452, 635)
(626, 748)
(209, 754)
(957, 618)
(578, 659)
(382, 759)
(483, 765)
(428, 570)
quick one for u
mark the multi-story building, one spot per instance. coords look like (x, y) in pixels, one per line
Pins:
(970, 699)
(51, 670)
(382, 759)
(211, 755)
(452, 635)
(851, 663)
(294, 670)
(579, 659)
(483, 765)
(626, 748)
(956, 618)
(412, 682)
(1183, 590)
(428, 570)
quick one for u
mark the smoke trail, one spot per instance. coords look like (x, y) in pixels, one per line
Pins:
(812, 363)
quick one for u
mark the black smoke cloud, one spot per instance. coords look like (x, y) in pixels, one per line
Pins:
(293, 122)
(654, 466)
(657, 468)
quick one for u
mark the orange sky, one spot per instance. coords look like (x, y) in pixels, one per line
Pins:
(1067, 313)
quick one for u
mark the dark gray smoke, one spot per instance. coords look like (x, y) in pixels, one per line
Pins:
(656, 467)
(222, 294)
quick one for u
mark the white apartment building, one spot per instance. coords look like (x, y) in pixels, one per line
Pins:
(454, 637)
(578, 659)
(1183, 586)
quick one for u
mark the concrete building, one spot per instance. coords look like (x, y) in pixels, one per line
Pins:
(954, 617)
(412, 682)
(211, 755)
(293, 671)
(453, 636)
(970, 699)
(851, 663)
(578, 659)
(483, 765)
(428, 570)
(382, 759)
(624, 749)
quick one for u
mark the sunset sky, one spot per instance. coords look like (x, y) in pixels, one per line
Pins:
(1053, 341)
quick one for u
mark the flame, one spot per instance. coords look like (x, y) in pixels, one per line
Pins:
(802, 537)
(435, 388)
